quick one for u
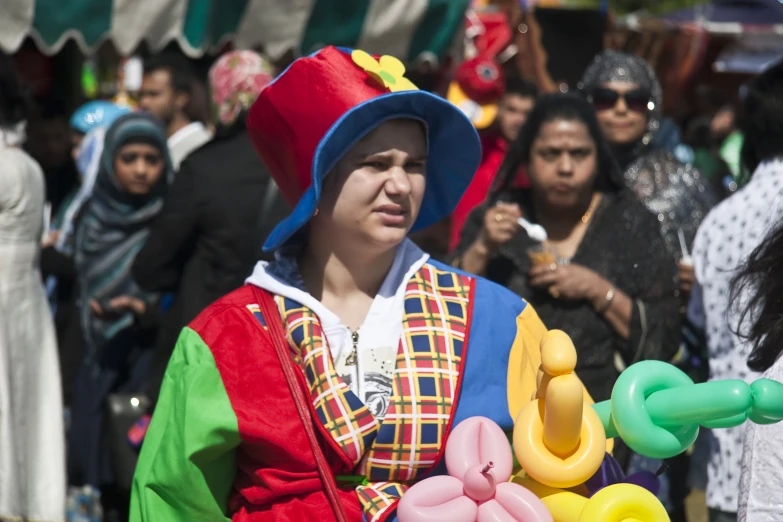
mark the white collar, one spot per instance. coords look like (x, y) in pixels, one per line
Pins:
(186, 131)
(408, 260)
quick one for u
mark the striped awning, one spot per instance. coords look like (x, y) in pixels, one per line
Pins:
(409, 29)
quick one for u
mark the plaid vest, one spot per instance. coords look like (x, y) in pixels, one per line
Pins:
(409, 442)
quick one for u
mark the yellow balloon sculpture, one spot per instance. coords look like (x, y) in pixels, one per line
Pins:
(624, 503)
(558, 438)
(616, 503)
(560, 442)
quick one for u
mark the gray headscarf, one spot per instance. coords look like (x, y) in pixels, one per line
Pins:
(614, 66)
(671, 190)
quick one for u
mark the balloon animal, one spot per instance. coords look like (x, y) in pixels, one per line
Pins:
(560, 442)
(479, 462)
(657, 409)
(558, 438)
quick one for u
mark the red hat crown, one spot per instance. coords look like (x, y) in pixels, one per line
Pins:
(313, 113)
(293, 114)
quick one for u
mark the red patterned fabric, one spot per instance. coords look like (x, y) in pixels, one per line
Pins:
(277, 479)
(426, 377)
(235, 80)
(379, 499)
(346, 418)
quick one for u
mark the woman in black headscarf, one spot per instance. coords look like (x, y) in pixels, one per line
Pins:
(118, 319)
(628, 99)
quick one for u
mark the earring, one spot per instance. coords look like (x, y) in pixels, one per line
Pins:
(316, 212)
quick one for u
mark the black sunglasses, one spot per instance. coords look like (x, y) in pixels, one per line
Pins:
(636, 100)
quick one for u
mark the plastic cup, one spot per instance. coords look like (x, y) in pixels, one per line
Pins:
(540, 254)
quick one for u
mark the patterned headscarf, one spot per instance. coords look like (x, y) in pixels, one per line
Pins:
(614, 66)
(113, 229)
(236, 80)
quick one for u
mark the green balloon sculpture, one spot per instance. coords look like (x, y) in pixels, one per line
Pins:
(657, 409)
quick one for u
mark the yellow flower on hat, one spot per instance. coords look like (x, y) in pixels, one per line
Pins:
(388, 71)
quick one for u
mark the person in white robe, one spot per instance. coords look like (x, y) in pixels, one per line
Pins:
(32, 440)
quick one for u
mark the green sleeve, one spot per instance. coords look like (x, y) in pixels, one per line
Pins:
(187, 463)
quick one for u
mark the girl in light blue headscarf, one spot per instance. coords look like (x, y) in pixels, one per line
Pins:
(91, 115)
(87, 163)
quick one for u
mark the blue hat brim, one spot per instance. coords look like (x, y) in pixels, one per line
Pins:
(454, 155)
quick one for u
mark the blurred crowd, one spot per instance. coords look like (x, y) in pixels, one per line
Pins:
(119, 226)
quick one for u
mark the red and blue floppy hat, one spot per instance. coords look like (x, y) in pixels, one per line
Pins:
(321, 105)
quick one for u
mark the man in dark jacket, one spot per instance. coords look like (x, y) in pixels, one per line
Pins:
(219, 210)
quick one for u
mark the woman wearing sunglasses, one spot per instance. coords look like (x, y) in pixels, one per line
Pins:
(628, 99)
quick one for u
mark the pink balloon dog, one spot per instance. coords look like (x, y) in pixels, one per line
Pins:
(479, 462)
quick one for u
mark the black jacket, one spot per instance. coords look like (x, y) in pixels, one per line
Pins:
(208, 236)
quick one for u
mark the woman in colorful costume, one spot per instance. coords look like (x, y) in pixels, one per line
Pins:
(364, 158)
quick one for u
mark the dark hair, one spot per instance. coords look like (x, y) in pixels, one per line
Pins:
(759, 285)
(179, 69)
(762, 120)
(521, 87)
(198, 108)
(14, 101)
(698, 133)
(551, 107)
(183, 80)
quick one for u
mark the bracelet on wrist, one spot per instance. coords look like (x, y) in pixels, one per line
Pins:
(607, 302)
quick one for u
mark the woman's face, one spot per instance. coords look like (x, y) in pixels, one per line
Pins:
(374, 193)
(621, 109)
(138, 168)
(563, 163)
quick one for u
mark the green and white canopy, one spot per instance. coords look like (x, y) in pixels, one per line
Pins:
(408, 29)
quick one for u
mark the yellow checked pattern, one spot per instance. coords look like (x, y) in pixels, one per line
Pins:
(424, 390)
(349, 422)
(425, 377)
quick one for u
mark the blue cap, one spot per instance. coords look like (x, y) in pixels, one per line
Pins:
(94, 114)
